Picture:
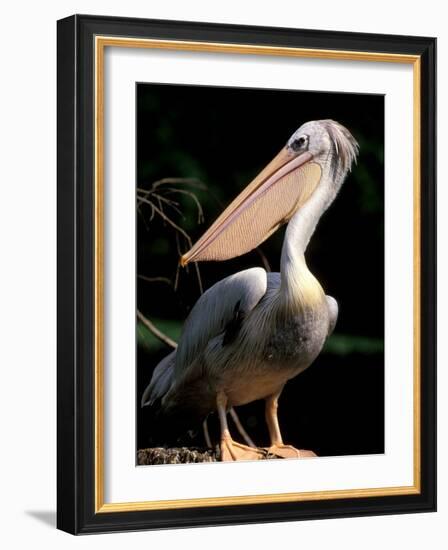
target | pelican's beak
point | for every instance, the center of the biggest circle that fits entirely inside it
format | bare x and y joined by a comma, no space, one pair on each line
261,208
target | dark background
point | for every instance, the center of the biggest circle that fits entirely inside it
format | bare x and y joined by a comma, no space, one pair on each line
222,137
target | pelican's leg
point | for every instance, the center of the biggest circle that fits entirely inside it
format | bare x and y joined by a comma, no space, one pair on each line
278,448
240,428
231,450
208,441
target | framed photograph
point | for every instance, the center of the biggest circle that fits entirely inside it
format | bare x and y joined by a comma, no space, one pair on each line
246,274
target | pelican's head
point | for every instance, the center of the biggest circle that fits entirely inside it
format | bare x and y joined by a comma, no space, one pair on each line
318,153
329,143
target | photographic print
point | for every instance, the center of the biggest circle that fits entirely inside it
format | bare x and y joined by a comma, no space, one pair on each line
246,274
260,274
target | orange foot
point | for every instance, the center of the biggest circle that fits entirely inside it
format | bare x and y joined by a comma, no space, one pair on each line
288,451
231,451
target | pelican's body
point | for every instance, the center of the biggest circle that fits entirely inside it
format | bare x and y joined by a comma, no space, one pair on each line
255,353
253,331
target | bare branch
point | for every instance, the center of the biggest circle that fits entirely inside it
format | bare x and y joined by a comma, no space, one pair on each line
160,211
168,220
193,197
264,259
179,253
240,428
194,182
198,275
143,217
176,278
155,200
157,333
144,199
155,279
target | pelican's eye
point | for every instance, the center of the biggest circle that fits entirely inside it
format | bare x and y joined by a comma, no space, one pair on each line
299,143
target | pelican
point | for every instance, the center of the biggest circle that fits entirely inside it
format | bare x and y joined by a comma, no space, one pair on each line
251,332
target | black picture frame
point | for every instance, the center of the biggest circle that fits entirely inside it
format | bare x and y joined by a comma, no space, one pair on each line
76,510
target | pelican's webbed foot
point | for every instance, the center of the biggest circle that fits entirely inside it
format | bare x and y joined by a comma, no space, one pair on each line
288,451
232,451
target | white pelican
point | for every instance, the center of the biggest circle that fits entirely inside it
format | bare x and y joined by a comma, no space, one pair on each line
250,333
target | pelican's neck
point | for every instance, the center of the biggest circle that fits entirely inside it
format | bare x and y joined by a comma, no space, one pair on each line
298,284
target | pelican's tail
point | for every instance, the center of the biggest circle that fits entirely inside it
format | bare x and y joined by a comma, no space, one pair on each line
160,382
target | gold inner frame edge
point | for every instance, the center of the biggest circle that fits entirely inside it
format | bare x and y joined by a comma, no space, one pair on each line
101,42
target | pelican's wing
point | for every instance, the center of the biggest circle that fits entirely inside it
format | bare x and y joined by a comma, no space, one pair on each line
161,380
219,307
333,310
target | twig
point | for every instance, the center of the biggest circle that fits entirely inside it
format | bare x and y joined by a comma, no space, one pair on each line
155,279
176,278
240,428
157,333
198,275
172,181
174,205
143,217
183,181
160,211
142,196
193,197
264,260
168,220
208,441
155,200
